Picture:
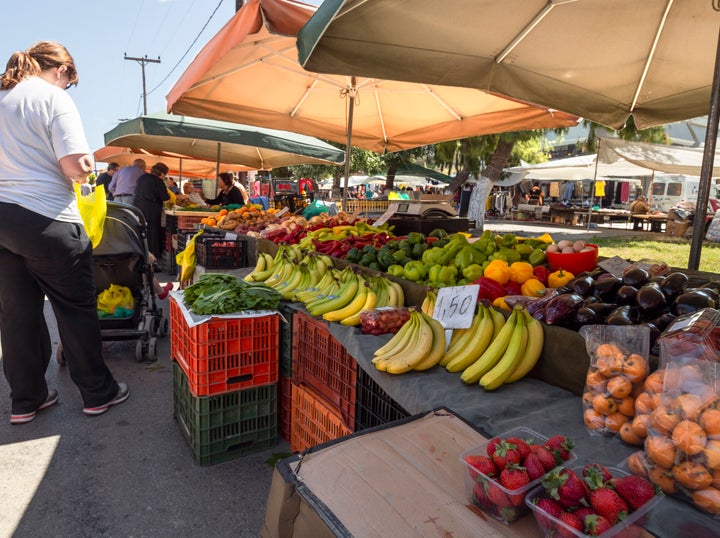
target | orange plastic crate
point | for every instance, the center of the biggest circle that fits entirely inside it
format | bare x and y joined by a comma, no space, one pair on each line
322,363
187,222
285,407
225,354
313,421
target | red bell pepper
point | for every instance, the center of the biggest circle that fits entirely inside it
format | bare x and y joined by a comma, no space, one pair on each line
512,288
489,289
541,273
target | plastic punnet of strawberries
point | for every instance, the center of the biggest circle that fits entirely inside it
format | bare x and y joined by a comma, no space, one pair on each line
502,471
592,500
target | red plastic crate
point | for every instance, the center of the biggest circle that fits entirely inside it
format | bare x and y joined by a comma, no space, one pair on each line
313,421
225,354
322,363
187,222
285,407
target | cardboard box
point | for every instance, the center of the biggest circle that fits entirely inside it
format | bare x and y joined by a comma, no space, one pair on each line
676,228
404,479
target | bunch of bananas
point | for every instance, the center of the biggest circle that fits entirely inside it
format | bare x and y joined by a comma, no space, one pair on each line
428,304
418,345
336,295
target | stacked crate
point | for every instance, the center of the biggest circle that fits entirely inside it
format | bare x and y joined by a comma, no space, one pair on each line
323,385
374,406
226,382
285,383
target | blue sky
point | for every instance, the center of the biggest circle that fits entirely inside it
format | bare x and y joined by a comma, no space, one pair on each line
99,32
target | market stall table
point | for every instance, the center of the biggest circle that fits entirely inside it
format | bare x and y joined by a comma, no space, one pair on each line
653,222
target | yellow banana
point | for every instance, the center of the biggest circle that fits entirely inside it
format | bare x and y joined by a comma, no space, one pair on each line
267,272
482,336
492,354
399,341
344,296
533,349
400,294
352,308
370,302
324,287
428,304
510,359
282,271
438,345
259,267
460,345
498,320
406,361
382,292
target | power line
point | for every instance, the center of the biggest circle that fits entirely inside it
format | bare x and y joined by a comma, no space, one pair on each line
188,49
142,62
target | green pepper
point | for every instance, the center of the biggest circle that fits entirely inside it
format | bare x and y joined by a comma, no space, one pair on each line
508,240
419,249
524,249
538,257
434,273
511,255
431,255
415,238
472,272
395,270
414,270
438,232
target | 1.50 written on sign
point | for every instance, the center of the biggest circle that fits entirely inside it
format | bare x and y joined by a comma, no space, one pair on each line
455,306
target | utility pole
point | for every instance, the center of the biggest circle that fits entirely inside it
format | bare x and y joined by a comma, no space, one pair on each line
142,62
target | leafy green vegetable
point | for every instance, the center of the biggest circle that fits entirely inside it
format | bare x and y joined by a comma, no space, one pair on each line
217,293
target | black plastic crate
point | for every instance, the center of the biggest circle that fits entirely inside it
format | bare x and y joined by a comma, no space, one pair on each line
214,252
373,406
167,262
292,201
286,336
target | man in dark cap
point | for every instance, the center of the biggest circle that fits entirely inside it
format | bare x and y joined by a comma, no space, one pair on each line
105,178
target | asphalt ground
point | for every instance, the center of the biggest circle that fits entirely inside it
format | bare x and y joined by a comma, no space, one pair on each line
126,473
130,472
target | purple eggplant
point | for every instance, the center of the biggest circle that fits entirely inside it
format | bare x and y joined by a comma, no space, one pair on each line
623,315
562,309
674,284
650,298
605,288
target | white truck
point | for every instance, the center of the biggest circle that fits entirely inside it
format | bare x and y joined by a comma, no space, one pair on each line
668,190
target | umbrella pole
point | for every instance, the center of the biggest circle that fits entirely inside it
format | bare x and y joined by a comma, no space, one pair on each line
593,186
706,168
217,169
348,147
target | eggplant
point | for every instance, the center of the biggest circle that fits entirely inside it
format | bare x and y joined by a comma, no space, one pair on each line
636,277
663,321
623,315
603,309
626,295
591,300
674,284
605,288
650,297
582,285
692,301
654,332
562,309
711,292
588,316
536,308
657,279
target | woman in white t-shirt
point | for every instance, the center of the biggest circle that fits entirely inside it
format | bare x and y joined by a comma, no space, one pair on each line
44,250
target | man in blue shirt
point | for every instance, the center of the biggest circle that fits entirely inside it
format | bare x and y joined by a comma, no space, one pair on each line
123,182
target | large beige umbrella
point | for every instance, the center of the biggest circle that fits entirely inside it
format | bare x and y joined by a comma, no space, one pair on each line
249,73
600,59
179,165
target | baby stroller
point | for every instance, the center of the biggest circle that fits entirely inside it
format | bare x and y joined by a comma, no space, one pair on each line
122,258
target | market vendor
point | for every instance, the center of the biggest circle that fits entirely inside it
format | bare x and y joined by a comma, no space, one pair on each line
190,195
638,207
229,193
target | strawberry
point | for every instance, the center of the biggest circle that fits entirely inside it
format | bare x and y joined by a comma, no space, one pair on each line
514,477
492,443
584,511
533,466
479,494
607,503
565,486
605,475
547,459
504,454
552,508
572,521
560,446
521,446
497,496
635,490
482,464
595,525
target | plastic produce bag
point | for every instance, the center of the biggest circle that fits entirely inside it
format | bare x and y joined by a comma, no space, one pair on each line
116,301
314,209
187,259
618,369
93,208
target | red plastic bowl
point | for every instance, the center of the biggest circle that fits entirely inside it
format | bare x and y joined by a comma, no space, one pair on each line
576,263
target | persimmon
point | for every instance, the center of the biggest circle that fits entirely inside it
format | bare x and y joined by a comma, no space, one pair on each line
709,420
614,421
619,387
690,405
640,425
211,221
628,435
587,398
655,399
626,406
596,381
644,404
603,405
692,475
716,478
635,368
661,450
609,359
223,212
664,419
663,479
637,390
707,499
671,379
638,463
689,437
593,420
654,382
711,453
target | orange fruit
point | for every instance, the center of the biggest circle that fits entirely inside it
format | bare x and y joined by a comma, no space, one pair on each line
626,406
640,424
707,499
614,421
223,212
596,381
690,405
664,419
638,463
692,475
635,368
619,387
712,454
689,437
628,435
587,398
663,479
654,382
716,478
609,359
661,450
603,405
644,404
593,420
709,420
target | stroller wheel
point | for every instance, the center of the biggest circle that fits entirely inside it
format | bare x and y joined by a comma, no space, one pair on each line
140,351
164,327
152,350
59,357
154,325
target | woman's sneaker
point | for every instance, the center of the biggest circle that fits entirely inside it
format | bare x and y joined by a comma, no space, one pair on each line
123,394
52,399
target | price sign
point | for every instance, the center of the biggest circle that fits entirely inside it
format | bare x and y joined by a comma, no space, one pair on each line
352,218
230,236
382,219
282,211
455,306
615,265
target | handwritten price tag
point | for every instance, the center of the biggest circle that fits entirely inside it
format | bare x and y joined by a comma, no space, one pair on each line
382,219
230,236
455,306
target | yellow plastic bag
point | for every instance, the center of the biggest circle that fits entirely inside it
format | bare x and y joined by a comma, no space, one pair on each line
93,208
115,297
187,259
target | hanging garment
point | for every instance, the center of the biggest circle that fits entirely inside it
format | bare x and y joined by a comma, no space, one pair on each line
599,188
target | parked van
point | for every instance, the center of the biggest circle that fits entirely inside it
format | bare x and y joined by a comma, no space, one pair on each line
668,190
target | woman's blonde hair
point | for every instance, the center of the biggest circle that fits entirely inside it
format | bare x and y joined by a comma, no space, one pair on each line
40,57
